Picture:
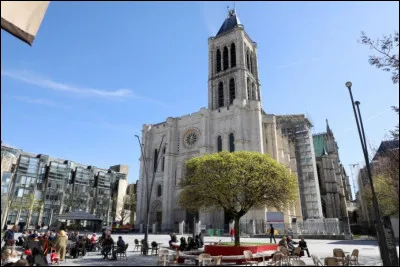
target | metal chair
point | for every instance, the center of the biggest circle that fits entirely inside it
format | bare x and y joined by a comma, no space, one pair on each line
138,246
354,258
316,260
163,257
331,261
276,259
248,256
298,263
122,252
205,258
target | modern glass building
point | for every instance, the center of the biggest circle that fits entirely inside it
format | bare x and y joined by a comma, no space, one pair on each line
35,189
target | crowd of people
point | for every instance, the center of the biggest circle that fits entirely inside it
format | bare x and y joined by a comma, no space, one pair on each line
186,244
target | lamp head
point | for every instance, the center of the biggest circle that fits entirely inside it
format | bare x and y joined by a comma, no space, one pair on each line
357,103
137,135
348,85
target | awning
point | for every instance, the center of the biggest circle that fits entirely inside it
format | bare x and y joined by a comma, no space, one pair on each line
23,18
78,215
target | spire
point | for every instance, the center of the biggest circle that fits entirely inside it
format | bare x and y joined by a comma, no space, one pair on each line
230,22
328,129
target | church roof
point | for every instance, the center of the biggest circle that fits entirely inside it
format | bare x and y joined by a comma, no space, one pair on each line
230,22
320,145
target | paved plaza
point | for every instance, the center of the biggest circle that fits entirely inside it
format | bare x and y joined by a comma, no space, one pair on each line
369,251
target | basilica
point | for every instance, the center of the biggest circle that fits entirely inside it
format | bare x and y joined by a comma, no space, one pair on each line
233,121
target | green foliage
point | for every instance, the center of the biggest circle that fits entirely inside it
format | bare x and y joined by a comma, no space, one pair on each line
386,195
237,182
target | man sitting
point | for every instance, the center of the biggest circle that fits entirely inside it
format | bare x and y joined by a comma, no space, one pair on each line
173,239
107,246
120,247
303,246
290,244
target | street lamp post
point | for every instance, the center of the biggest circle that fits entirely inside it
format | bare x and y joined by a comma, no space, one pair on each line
388,257
149,190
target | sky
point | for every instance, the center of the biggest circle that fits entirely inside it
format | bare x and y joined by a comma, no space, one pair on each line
98,71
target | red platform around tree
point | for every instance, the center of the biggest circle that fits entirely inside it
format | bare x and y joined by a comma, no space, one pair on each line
217,250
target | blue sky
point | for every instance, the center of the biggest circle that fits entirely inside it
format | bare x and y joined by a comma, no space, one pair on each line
98,71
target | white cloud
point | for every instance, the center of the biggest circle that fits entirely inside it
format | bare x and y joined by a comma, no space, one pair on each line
39,101
34,79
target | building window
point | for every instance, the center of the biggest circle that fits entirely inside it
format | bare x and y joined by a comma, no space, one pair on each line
163,160
155,160
233,55
248,59
220,95
248,89
218,60
251,63
159,191
226,58
255,96
231,90
219,143
231,142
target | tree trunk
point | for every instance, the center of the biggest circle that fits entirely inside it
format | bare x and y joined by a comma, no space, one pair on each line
237,229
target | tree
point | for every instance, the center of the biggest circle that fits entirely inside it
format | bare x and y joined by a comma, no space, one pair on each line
28,203
387,60
123,209
386,194
237,182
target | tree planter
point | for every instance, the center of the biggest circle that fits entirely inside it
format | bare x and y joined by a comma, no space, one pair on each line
217,250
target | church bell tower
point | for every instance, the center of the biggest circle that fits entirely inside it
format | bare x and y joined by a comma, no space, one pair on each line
233,68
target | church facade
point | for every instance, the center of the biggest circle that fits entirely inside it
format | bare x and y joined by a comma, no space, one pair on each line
233,121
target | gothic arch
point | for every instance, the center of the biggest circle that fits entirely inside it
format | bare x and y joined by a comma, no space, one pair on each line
219,143
247,59
225,58
233,55
251,63
254,91
218,60
248,89
231,142
155,211
232,90
220,95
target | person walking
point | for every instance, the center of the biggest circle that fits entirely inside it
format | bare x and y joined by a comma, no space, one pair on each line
61,244
232,234
271,233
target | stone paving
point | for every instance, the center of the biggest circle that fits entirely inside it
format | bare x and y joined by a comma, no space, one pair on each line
369,251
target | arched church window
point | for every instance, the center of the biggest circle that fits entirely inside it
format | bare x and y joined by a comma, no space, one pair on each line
226,58
255,96
248,59
248,89
163,160
232,93
233,55
231,142
155,160
251,63
218,60
219,143
159,190
220,95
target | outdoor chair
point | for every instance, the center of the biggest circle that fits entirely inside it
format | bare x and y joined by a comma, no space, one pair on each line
354,258
138,246
346,261
205,258
285,254
330,261
316,260
122,252
218,260
296,254
248,256
338,253
154,248
276,259
298,263
163,257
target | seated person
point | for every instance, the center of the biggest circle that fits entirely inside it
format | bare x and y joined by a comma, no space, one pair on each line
107,246
290,244
191,244
93,241
198,242
303,246
173,239
120,247
283,243
54,256
183,244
